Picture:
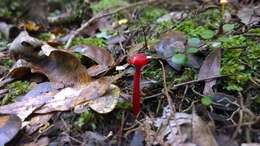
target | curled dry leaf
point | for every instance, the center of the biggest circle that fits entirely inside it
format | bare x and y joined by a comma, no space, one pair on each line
9,127
209,68
63,67
58,66
101,56
19,69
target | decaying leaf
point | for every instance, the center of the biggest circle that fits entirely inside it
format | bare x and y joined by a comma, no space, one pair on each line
9,127
44,141
58,66
249,15
107,102
179,129
25,108
63,67
66,99
100,55
19,69
36,122
209,68
201,133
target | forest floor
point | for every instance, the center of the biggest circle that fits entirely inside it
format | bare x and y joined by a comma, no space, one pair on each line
66,77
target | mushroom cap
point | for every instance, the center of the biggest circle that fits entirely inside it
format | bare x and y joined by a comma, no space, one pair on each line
138,59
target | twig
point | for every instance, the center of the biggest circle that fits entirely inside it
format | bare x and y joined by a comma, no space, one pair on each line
195,81
98,16
169,99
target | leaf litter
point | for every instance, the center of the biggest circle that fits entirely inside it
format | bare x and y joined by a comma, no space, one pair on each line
184,39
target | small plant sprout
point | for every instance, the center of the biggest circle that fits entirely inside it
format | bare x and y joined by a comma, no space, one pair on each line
138,60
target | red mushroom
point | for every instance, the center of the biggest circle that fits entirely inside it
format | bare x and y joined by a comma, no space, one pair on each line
138,60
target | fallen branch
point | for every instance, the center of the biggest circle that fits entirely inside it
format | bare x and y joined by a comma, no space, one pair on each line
98,16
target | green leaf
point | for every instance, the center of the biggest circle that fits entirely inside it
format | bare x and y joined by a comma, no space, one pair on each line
207,34
194,42
228,27
206,100
192,50
179,59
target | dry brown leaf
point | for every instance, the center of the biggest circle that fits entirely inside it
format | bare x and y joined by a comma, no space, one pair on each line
9,127
101,56
106,103
62,67
58,66
44,141
201,133
209,68
249,15
19,69
36,122
25,108
66,99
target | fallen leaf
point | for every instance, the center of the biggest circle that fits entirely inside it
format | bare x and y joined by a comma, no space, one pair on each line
210,67
19,69
106,103
67,99
201,133
36,122
225,140
249,15
59,66
44,141
100,55
250,144
9,127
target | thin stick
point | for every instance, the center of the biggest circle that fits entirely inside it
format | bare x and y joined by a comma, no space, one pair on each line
195,81
98,16
169,99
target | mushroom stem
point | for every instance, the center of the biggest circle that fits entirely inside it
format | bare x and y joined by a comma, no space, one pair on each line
136,96
138,60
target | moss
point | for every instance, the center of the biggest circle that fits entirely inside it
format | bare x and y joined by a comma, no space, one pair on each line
187,75
150,14
164,26
98,42
44,36
241,63
15,89
7,62
10,8
107,4
147,16
84,118
152,71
